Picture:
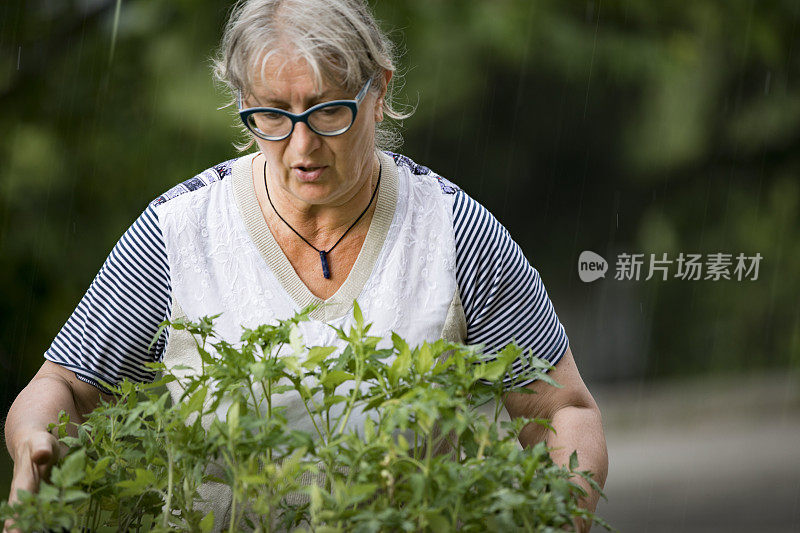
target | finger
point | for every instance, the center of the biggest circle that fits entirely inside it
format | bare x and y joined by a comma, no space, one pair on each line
32,465
25,478
44,449
28,484
8,527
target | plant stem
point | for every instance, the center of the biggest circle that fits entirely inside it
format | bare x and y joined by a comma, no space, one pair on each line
414,462
328,422
168,504
89,512
322,438
94,511
356,389
256,401
428,456
96,518
498,406
231,528
269,413
350,404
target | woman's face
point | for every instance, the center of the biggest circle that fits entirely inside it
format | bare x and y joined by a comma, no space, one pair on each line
312,169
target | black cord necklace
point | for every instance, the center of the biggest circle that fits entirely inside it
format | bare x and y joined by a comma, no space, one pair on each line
323,254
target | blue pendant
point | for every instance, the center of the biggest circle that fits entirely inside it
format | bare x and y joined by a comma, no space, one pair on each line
326,271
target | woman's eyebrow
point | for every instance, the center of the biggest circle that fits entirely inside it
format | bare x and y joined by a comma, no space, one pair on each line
272,101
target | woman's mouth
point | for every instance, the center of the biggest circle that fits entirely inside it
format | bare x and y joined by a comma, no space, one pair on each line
307,173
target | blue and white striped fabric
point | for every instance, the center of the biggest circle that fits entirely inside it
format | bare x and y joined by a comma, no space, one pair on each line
107,336
503,296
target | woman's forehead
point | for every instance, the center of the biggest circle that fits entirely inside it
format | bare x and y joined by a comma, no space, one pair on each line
279,76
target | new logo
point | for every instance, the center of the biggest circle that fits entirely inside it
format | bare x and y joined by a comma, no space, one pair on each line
591,266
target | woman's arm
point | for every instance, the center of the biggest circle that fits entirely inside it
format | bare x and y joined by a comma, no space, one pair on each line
504,300
576,420
32,448
132,288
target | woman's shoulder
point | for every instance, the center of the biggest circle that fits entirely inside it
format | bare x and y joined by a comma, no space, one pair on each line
209,176
421,172
467,211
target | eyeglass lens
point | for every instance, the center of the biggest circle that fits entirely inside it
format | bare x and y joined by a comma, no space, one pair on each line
326,121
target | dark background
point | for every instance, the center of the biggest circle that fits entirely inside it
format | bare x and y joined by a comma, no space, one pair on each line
628,126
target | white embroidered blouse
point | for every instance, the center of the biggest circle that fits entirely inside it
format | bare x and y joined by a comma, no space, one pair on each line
434,264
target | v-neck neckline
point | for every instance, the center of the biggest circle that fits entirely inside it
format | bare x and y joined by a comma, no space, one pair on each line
339,303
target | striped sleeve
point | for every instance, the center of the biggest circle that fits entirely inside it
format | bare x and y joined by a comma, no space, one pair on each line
107,337
503,296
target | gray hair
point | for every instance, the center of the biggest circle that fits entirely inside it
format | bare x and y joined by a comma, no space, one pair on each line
339,39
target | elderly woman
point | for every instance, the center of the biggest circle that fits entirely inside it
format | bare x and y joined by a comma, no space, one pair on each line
316,215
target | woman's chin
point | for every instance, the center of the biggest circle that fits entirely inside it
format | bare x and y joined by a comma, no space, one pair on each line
312,193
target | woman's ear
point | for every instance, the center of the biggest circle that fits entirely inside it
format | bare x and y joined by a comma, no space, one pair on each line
379,103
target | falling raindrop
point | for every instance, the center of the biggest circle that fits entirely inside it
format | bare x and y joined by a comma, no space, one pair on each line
114,29
591,62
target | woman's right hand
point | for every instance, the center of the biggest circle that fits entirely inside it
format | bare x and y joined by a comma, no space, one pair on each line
35,450
35,455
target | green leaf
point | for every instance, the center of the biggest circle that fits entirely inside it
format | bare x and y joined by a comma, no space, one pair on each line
195,403
573,461
316,355
280,389
550,381
399,343
47,492
418,484
545,422
155,366
437,522
359,492
330,400
143,481
402,363
491,371
402,443
71,442
207,523
63,422
369,430
161,328
442,365
494,369
358,316
509,354
232,419
98,471
73,495
205,356
334,378
424,359
538,362
296,340
71,470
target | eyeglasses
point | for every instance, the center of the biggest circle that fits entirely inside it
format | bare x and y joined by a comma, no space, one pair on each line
328,118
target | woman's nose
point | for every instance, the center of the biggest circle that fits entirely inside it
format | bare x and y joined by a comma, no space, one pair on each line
303,140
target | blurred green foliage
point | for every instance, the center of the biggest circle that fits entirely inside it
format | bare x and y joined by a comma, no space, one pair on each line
612,126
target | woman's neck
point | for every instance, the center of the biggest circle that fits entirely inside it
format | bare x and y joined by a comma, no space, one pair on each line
320,224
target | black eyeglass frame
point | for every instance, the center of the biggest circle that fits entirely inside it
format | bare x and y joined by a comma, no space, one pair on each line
245,114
